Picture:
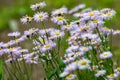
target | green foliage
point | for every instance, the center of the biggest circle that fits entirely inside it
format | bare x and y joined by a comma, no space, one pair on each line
1,70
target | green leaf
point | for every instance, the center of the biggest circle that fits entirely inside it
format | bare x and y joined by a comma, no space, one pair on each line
1,71
52,73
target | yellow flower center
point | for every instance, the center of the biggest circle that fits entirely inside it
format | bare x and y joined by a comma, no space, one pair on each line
67,26
111,75
105,54
57,33
40,15
47,46
99,72
95,21
59,18
91,14
106,28
11,48
108,14
69,76
83,63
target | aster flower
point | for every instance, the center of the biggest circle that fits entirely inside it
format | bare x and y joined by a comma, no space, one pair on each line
40,16
112,76
56,34
83,64
26,19
100,73
75,9
30,32
14,34
106,55
60,11
59,20
38,5
71,77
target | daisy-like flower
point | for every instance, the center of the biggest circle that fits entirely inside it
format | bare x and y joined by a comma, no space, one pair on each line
38,5
40,16
32,60
112,76
14,34
63,74
60,11
116,32
106,55
72,48
84,49
56,34
59,20
71,67
108,13
100,73
83,64
71,77
26,19
66,27
30,32
77,15
48,46
75,9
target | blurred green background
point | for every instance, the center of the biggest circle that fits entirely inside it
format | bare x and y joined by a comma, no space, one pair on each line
12,10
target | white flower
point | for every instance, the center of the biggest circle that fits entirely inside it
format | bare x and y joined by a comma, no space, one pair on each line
105,55
56,34
14,34
100,73
71,77
40,16
65,73
112,76
38,5
59,20
75,9
26,19
71,67
60,11
83,64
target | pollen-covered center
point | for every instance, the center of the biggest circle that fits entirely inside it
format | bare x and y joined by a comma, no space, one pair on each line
59,18
40,16
47,46
83,63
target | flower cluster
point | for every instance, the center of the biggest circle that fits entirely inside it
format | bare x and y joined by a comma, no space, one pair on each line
73,50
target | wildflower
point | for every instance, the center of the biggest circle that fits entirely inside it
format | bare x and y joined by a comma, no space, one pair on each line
71,77
38,5
30,32
40,16
105,55
59,20
48,46
32,60
72,48
56,34
66,27
75,9
60,11
77,15
100,73
26,19
84,49
112,76
14,34
83,64
63,74
71,67
116,32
